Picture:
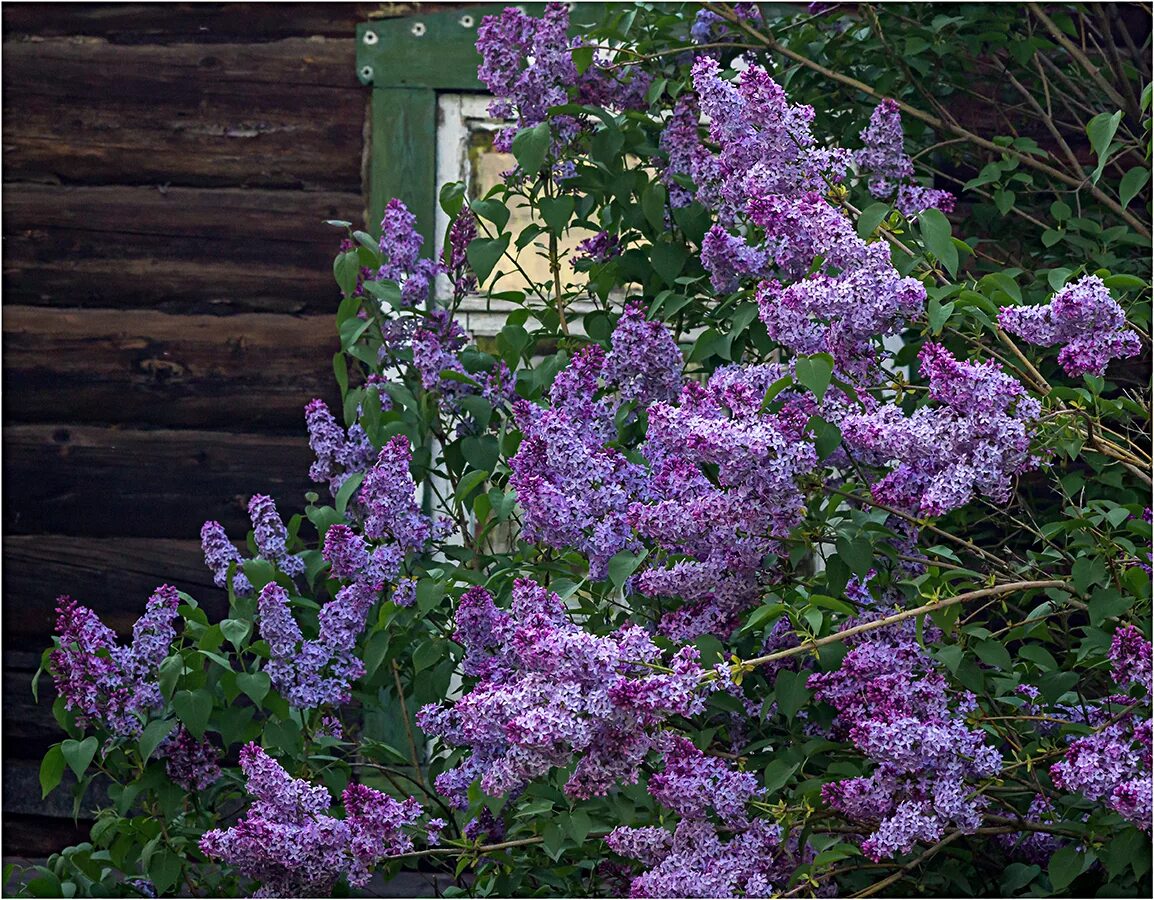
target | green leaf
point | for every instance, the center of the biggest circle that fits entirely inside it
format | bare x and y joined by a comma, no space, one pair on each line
827,436
1132,182
483,254
78,754
994,654
936,236
939,314
164,870
481,451
653,205
1017,876
858,554
152,736
668,260
468,484
623,564
492,210
255,684
426,655
1004,201
235,631
1101,130
790,692
556,211
346,269
193,709
777,773
815,373
871,217
530,147
51,770
1124,282
345,494
1065,866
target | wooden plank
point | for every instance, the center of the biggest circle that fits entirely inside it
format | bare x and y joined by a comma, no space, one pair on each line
113,576
202,22
236,373
186,250
286,114
404,127
77,480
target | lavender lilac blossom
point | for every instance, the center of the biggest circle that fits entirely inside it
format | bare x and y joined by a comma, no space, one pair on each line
548,693
896,708
270,535
193,764
289,843
1113,765
1084,319
106,683
719,529
339,453
401,247
219,554
975,441
890,169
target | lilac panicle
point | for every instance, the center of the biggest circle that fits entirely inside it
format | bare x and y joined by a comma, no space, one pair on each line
218,554
190,763
550,693
313,673
288,842
890,170
401,246
108,684
1084,319
270,535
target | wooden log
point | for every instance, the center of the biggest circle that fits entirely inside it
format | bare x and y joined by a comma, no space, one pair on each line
202,22
78,480
113,576
243,372
285,114
180,250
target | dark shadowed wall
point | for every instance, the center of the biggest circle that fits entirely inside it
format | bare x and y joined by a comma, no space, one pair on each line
167,306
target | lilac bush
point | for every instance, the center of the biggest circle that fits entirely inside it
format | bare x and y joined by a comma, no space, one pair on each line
809,557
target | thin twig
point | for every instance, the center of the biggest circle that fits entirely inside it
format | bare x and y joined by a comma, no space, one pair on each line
838,636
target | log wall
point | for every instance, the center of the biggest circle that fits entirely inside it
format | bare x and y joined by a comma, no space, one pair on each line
167,306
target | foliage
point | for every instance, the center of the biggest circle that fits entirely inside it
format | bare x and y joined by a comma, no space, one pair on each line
785,539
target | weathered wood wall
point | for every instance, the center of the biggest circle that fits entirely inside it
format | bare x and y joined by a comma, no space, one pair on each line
167,303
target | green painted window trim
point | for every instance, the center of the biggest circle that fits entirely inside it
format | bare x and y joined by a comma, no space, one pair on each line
408,61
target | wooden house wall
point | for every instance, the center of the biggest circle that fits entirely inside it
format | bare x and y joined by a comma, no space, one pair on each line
167,305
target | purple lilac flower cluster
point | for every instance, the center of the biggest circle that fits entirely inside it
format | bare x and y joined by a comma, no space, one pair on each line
940,457
1113,765
719,528
192,764
771,169
270,535
290,844
897,710
600,248
339,453
1084,319
219,554
312,673
890,170
687,156
527,64
461,234
401,247
549,692
575,490
107,683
